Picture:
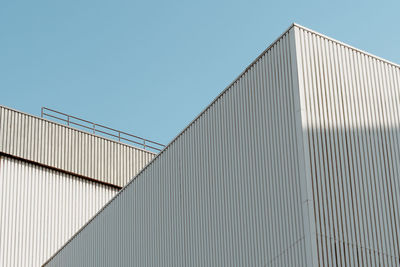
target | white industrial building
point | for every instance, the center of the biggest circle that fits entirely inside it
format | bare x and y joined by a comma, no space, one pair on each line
295,163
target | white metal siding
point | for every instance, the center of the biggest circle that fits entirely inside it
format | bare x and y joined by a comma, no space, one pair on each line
352,117
40,209
225,192
52,144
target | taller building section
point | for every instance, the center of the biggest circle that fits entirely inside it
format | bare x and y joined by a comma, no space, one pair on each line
296,163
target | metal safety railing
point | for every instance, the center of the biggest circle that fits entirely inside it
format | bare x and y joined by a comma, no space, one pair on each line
97,129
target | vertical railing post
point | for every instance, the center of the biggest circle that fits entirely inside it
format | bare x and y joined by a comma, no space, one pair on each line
144,144
94,128
68,120
41,114
119,136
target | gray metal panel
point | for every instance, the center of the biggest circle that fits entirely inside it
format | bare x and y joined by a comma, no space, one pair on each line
55,145
40,209
225,192
352,117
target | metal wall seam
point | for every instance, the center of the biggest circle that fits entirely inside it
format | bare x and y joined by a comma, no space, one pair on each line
59,146
41,208
351,109
224,192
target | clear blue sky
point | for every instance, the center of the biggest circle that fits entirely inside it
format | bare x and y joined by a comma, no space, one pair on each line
149,67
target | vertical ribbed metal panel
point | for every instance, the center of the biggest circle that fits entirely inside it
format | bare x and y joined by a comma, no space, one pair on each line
352,116
40,209
52,144
225,192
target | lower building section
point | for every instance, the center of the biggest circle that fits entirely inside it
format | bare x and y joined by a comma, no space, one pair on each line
40,209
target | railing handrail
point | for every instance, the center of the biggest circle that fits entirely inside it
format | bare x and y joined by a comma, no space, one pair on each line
145,143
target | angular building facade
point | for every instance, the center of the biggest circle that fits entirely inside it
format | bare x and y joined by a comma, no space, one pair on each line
295,163
53,179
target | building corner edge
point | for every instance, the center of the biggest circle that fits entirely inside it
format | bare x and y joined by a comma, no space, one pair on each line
303,151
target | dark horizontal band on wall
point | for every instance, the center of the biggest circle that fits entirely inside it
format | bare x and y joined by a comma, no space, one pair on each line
61,170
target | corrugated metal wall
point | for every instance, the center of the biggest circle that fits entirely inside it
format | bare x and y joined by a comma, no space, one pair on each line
40,209
350,103
225,192
52,144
